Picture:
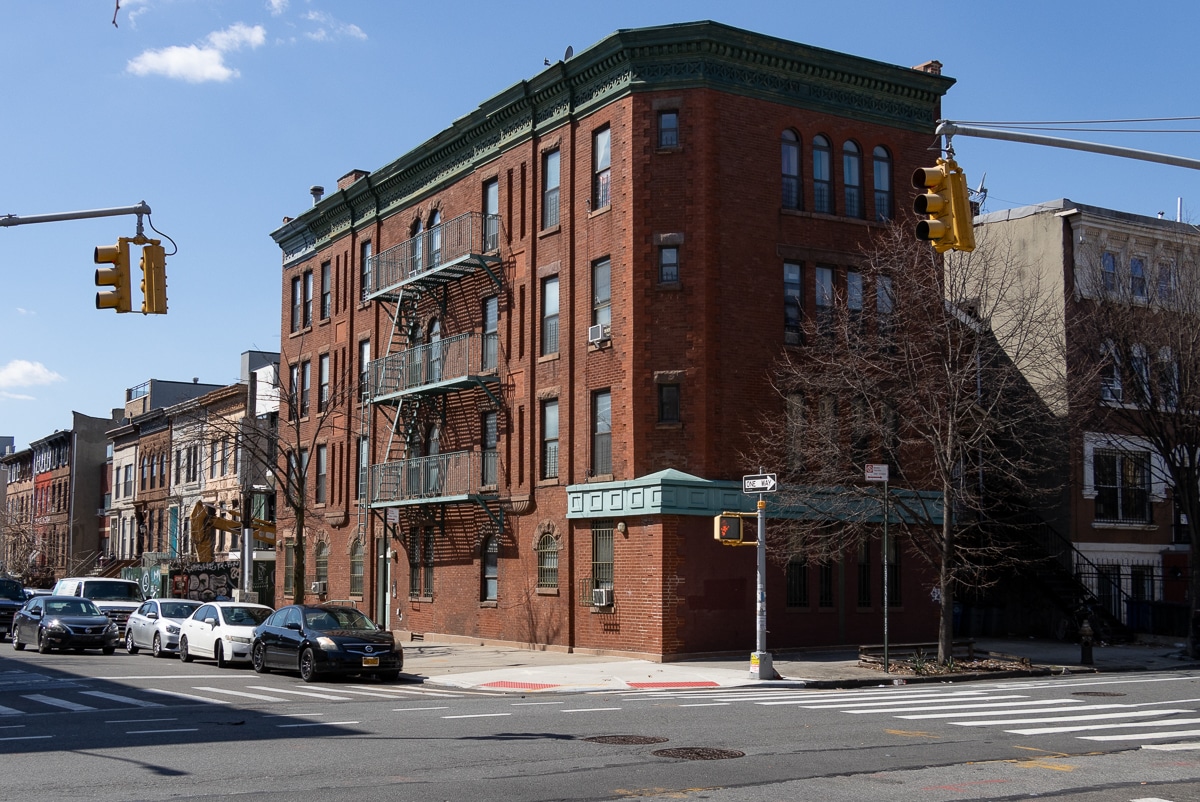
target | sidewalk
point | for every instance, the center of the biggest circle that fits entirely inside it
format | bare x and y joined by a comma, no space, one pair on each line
506,668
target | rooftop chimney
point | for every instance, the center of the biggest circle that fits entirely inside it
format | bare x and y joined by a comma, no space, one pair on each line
317,192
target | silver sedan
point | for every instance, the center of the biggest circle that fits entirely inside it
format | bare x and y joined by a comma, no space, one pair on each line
155,626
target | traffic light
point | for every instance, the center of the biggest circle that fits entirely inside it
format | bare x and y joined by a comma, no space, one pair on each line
946,205
727,528
154,279
116,276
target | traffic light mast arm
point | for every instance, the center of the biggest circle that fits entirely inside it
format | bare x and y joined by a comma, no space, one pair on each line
948,129
140,209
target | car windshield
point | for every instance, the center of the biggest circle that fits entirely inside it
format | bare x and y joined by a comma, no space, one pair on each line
11,590
113,591
337,618
246,616
177,609
71,607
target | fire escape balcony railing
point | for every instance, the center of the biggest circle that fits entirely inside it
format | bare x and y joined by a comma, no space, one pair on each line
448,364
446,252
456,476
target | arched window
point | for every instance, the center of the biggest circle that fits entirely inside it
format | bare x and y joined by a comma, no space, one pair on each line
822,176
322,562
547,557
852,178
883,183
435,351
490,568
435,239
790,146
356,568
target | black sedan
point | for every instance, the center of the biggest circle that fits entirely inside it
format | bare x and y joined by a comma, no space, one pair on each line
325,639
63,622
12,597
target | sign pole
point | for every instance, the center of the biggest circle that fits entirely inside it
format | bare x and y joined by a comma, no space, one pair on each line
879,473
761,666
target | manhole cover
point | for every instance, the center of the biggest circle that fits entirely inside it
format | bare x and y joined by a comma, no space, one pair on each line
1096,693
698,753
626,740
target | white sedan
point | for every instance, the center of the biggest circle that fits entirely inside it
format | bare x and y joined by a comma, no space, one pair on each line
155,625
221,631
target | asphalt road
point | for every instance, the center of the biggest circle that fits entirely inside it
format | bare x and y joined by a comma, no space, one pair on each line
131,727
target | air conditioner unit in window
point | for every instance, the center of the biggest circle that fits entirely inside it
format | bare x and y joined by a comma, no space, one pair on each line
598,334
320,588
602,597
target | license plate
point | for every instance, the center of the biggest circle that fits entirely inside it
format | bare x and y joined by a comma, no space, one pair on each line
370,661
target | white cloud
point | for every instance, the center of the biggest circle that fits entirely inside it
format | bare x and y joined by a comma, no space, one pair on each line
25,312
16,396
23,373
196,64
277,7
329,28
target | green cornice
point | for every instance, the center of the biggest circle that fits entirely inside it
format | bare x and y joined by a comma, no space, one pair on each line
694,55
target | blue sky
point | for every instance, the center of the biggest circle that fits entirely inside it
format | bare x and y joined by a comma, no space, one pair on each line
220,114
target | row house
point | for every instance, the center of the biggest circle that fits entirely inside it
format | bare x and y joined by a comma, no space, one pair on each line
521,360
1119,529
17,550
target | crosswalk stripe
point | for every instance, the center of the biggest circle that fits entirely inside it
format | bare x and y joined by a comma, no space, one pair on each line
192,696
240,693
9,711
1093,727
1189,746
1096,717
117,698
943,701
1073,709
312,694
55,702
865,700
1141,735
974,705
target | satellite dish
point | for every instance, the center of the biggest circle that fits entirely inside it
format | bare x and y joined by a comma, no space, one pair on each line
570,52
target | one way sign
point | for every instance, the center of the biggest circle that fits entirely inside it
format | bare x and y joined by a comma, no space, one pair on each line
759,483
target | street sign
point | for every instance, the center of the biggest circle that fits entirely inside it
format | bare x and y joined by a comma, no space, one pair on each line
759,483
877,473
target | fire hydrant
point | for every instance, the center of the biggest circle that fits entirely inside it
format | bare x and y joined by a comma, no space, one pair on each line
1085,643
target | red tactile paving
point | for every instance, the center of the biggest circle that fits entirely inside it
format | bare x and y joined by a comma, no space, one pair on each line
529,686
673,685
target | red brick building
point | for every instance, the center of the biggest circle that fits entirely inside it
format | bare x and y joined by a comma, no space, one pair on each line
522,359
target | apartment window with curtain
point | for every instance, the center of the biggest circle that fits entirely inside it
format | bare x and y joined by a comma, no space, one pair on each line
490,565
293,392
601,168
792,190
882,162
550,439
322,382
491,212
602,433
297,304
356,568
364,270
1137,278
326,290
491,332
668,264
308,299
364,368
852,178
1108,268
364,466
822,175
668,129
550,316
319,488
491,443
305,386
550,186
602,294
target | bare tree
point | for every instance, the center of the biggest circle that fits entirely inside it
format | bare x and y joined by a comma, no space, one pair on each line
948,370
18,543
1138,321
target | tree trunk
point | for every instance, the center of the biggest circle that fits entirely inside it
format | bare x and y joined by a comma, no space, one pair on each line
945,574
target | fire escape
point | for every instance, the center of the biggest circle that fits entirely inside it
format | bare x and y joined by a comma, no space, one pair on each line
413,382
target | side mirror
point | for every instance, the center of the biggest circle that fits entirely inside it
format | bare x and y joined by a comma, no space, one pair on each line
212,622
152,616
292,625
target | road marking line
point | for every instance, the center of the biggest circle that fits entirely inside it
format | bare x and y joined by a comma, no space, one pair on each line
117,698
1027,703
192,696
1009,722
313,694
707,704
157,732
481,715
367,693
1090,727
1172,747
1132,736
26,738
9,711
63,703
588,709
241,693
137,720
315,724
530,704
1010,712
406,709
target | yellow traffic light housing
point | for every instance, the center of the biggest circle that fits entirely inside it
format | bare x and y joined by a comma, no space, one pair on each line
154,279
946,204
729,528
116,276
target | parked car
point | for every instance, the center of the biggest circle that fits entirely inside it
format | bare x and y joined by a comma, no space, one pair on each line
221,631
12,598
64,622
116,597
155,625
320,639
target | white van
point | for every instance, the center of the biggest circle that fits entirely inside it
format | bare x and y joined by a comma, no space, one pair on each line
116,598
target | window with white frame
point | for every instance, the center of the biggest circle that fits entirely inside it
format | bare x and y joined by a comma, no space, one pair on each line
602,294
668,129
1122,485
550,438
602,168
550,187
550,316
364,270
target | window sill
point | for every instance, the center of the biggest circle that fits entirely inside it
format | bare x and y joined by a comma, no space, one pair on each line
1140,526
669,425
662,151
601,477
547,591
600,211
548,358
552,482
489,604
670,286
546,232
300,332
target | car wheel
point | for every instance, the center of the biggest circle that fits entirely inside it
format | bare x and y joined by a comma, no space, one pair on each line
106,649
20,647
156,648
184,654
219,655
130,646
388,676
43,644
258,659
308,666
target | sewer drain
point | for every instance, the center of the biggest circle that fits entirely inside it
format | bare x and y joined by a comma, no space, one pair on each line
1096,693
698,753
626,740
